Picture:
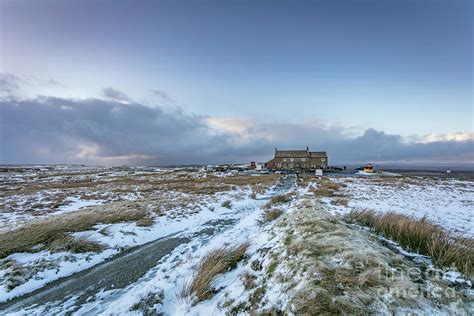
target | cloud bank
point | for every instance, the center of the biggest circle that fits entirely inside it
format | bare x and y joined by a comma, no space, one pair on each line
117,130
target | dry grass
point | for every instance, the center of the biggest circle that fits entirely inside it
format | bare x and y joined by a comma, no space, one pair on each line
323,302
248,280
212,184
77,245
250,180
145,222
16,274
279,199
259,188
217,261
446,248
272,267
257,296
204,189
304,179
35,187
270,215
328,189
347,271
227,204
150,182
340,201
51,230
333,289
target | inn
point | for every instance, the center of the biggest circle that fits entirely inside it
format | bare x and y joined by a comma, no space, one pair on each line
298,160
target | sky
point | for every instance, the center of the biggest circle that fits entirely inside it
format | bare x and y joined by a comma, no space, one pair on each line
182,82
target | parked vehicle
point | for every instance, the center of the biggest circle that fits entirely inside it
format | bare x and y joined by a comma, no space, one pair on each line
368,168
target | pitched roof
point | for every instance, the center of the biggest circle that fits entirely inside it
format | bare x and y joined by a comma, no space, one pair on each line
321,154
299,154
291,154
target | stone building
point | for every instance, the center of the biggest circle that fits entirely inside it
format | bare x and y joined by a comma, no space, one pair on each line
298,160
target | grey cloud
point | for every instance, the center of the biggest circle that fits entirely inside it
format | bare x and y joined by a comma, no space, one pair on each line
371,146
115,95
9,84
161,94
48,129
52,83
58,130
376,145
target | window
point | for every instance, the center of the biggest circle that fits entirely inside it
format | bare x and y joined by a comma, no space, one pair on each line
303,159
292,159
303,165
284,159
323,159
291,165
279,165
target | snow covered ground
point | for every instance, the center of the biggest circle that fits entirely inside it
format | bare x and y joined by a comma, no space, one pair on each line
115,237
75,203
191,205
447,202
178,212
174,269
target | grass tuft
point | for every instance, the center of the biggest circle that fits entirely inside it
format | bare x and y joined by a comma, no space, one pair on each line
327,189
227,204
279,199
248,280
215,262
270,215
446,248
145,222
76,245
340,201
